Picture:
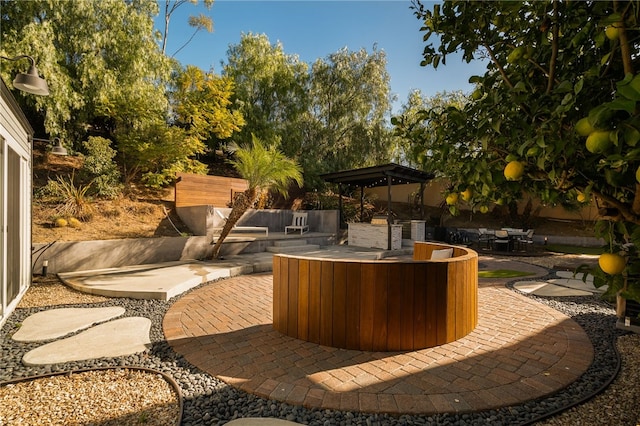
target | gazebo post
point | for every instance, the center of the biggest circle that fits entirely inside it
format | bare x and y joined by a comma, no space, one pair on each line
389,218
340,204
361,203
422,188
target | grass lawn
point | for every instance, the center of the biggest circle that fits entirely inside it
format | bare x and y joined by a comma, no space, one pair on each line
503,273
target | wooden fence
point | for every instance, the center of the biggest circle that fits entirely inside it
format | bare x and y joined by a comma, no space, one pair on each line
204,190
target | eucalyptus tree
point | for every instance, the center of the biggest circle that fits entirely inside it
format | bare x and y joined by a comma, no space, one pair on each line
350,110
270,91
198,23
417,144
555,114
100,58
265,168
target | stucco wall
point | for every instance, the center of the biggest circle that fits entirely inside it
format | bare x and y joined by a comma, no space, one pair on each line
433,196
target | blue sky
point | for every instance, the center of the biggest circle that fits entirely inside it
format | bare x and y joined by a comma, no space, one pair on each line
315,29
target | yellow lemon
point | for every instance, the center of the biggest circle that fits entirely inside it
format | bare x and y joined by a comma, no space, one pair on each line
638,174
612,263
583,127
581,197
61,222
612,31
514,170
467,194
452,198
484,209
598,141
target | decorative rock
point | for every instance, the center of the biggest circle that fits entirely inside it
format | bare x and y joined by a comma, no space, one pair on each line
56,323
120,337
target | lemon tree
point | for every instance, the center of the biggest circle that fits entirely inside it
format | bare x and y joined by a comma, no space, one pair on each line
561,97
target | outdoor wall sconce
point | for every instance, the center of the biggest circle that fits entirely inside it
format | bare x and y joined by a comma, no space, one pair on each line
59,149
31,82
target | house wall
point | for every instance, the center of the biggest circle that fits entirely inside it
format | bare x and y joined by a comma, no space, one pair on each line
433,197
15,198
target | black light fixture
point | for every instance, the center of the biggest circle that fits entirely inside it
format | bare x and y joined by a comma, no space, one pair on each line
59,149
31,82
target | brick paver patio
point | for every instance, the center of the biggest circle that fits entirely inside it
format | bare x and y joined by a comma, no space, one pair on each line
521,350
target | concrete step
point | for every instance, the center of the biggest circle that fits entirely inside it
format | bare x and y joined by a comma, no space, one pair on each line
289,243
293,249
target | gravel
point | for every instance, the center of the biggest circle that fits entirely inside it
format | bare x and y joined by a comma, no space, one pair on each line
209,401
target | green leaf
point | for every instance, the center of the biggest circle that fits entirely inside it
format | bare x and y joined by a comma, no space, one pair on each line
631,135
627,105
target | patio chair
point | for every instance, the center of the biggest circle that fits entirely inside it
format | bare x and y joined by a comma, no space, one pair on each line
527,240
486,236
501,240
299,223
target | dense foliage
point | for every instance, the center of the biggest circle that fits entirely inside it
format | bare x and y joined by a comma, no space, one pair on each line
555,114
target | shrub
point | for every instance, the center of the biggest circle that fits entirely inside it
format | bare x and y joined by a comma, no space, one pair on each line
72,200
100,168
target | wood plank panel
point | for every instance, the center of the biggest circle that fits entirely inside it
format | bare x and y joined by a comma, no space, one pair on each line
339,303
441,298
455,274
284,296
326,303
411,279
292,301
278,313
431,284
303,299
380,311
352,338
421,304
367,301
314,301
395,305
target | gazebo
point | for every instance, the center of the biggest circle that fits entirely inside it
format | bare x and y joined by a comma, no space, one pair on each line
387,174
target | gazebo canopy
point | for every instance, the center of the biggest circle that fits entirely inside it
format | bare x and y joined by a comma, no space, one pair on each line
378,176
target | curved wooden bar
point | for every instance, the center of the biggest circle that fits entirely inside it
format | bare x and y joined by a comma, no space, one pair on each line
377,305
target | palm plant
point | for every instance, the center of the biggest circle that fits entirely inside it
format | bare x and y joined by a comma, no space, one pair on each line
265,168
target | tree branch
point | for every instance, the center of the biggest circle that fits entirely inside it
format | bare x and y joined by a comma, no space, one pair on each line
554,48
625,212
497,64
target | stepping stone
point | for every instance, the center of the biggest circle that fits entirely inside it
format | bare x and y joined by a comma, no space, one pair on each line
115,338
577,284
546,289
47,325
578,276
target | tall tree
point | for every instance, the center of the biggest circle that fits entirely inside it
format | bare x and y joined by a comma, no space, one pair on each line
265,168
198,23
270,91
350,107
100,58
556,113
418,145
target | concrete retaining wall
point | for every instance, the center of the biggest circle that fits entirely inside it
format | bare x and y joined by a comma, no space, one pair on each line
102,254
201,219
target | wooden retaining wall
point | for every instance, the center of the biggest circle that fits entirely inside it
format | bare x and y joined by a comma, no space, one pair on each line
204,190
377,305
